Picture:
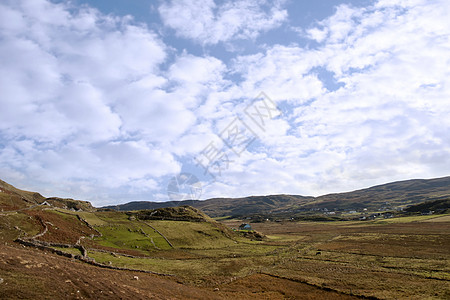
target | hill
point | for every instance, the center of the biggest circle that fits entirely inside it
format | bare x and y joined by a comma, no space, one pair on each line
179,213
68,203
401,193
218,207
14,198
389,196
442,206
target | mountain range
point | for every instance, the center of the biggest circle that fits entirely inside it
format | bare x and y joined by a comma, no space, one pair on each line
390,196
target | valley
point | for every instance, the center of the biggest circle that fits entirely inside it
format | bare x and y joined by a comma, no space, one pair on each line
50,251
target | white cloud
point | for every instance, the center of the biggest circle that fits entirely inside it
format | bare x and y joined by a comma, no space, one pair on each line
317,34
282,72
209,23
382,125
57,70
394,64
192,69
81,99
94,107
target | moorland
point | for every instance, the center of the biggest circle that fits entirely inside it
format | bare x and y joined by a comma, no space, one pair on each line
52,248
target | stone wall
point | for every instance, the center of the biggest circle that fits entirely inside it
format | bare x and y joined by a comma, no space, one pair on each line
84,258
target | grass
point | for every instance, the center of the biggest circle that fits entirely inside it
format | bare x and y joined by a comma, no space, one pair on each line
16,281
203,252
112,216
388,258
294,256
8,224
131,236
237,250
285,238
73,251
408,219
221,218
197,271
92,218
192,235
444,218
62,214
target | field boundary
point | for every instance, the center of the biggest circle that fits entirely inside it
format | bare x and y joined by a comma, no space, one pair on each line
86,259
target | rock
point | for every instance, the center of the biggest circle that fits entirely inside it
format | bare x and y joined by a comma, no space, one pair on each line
216,289
136,278
1,280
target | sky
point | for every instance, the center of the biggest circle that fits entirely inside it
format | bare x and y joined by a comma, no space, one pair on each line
115,101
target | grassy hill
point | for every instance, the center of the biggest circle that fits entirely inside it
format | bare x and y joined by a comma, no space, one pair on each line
401,193
394,195
13,198
144,232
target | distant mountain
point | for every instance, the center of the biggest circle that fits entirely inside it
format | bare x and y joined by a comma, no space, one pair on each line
391,196
387,196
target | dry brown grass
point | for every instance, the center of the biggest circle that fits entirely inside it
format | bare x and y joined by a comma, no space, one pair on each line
62,228
32,274
388,261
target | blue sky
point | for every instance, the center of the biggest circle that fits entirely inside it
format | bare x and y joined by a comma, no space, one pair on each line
108,101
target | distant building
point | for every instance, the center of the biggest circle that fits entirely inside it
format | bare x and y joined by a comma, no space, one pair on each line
427,213
388,215
245,226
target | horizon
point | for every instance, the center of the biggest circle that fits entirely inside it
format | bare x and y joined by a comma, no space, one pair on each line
113,101
248,196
